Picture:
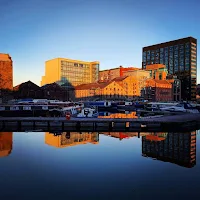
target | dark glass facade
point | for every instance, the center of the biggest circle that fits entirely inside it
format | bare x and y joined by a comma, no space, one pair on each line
180,59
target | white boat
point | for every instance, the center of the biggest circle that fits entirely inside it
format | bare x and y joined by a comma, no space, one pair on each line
88,112
181,107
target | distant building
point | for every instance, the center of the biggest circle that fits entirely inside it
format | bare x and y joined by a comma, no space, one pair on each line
55,91
70,73
178,148
27,90
130,86
110,74
6,72
180,58
157,71
108,90
68,139
176,88
157,90
140,77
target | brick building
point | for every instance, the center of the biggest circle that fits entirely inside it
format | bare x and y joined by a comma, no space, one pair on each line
110,74
6,72
108,90
157,90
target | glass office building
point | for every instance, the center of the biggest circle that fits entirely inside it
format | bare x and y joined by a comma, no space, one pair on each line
180,58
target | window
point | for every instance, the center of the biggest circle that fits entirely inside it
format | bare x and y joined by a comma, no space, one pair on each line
148,55
144,56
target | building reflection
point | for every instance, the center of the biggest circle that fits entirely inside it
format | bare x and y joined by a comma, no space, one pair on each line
124,135
124,114
6,143
178,148
67,139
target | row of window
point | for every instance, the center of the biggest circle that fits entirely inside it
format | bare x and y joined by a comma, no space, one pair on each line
66,63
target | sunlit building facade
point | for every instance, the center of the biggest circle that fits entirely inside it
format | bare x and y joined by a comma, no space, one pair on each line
110,74
157,71
6,72
157,90
140,77
107,90
69,73
180,58
178,148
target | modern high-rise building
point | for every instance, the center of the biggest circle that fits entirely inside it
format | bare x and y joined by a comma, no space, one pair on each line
70,73
180,58
6,72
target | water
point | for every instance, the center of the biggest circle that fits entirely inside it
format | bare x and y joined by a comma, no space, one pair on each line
99,166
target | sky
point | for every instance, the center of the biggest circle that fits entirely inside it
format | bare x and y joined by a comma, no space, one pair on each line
110,31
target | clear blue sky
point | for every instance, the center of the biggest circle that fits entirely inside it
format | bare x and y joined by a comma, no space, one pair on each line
110,31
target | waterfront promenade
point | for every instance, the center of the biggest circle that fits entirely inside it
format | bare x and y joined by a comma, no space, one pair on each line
184,122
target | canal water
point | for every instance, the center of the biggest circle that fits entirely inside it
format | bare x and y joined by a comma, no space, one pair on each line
72,165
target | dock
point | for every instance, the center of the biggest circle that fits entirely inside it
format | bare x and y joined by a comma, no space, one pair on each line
176,123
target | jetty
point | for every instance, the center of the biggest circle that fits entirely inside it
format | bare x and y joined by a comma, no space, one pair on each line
176,123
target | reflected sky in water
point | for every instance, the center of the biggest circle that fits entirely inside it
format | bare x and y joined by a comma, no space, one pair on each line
99,165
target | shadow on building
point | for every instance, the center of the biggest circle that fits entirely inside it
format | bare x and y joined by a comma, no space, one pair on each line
178,148
67,139
49,91
27,90
6,143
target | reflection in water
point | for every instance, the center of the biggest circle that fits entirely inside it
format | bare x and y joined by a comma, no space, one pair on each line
122,135
6,140
125,114
66,139
178,148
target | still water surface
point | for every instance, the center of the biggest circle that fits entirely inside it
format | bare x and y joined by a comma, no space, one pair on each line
99,165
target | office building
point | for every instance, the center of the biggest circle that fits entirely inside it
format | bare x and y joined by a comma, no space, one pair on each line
180,58
69,73
6,72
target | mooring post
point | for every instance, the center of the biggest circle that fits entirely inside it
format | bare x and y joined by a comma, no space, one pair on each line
138,134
